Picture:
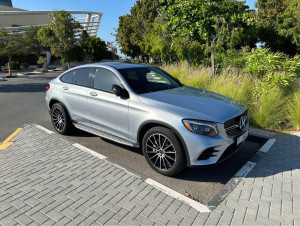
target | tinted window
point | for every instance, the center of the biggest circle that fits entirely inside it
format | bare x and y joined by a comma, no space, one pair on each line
148,79
64,77
105,79
81,77
70,77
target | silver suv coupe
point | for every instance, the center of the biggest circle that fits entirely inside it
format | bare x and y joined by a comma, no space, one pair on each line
143,106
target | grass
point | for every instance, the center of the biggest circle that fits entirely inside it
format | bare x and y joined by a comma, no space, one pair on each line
270,111
276,109
294,110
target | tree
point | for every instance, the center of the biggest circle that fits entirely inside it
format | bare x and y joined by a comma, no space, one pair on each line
60,36
32,42
134,27
94,48
214,25
289,23
123,37
275,21
10,45
112,51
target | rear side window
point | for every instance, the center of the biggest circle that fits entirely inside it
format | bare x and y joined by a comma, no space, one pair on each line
105,79
68,77
64,77
81,77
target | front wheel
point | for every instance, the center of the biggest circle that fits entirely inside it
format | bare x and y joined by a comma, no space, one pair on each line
163,151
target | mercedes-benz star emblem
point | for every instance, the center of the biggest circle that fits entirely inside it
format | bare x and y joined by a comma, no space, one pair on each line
242,123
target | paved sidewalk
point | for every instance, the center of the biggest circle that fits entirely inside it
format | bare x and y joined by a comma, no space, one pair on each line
46,180
270,194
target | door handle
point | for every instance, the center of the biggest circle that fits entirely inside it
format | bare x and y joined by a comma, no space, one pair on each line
93,93
65,87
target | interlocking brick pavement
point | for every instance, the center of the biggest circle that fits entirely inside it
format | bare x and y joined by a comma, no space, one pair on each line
270,193
45,180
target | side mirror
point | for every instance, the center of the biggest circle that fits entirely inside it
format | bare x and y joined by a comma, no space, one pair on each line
119,91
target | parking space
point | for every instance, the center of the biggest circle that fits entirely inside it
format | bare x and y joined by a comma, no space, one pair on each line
201,183
22,101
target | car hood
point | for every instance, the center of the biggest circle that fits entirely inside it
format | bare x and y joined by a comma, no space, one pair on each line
193,103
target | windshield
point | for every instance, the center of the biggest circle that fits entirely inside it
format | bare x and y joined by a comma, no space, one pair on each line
148,79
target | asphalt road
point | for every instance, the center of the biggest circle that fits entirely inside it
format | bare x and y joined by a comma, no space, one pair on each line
22,102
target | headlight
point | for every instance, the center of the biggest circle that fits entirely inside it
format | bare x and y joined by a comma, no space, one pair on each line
201,127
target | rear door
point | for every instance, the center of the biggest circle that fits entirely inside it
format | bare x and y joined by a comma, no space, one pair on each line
74,93
108,112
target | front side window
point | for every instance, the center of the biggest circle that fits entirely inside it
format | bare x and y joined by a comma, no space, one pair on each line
105,79
148,79
81,77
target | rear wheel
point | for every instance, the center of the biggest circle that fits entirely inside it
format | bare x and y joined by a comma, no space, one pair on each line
163,151
60,119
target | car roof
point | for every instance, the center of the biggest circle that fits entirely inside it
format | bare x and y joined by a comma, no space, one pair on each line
118,65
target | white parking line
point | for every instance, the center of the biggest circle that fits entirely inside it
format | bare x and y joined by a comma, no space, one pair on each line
242,173
267,146
197,205
97,155
44,129
85,149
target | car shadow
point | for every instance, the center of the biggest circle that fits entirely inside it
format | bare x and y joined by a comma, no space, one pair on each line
23,88
80,133
136,150
221,173
225,170
286,148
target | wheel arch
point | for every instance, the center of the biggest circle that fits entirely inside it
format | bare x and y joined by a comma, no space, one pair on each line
54,101
153,123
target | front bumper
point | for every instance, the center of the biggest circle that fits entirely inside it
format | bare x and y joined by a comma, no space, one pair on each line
205,150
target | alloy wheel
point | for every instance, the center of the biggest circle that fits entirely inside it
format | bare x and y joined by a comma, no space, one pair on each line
160,152
58,119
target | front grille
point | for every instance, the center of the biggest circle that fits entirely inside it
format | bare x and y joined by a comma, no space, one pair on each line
232,126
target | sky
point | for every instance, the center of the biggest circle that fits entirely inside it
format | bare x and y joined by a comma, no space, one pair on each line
111,9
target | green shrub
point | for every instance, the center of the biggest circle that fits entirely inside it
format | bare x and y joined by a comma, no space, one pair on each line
232,58
41,60
15,65
25,65
294,111
269,69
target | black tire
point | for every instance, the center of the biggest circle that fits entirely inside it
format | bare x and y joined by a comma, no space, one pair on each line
153,152
67,127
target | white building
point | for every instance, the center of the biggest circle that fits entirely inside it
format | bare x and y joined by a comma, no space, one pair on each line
16,21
